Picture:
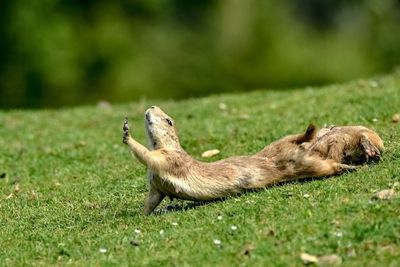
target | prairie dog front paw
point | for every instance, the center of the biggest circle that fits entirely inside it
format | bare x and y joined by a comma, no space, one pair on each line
125,131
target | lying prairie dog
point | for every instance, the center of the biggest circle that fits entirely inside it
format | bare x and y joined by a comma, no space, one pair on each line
174,173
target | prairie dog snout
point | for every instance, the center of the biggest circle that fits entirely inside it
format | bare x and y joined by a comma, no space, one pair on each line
161,130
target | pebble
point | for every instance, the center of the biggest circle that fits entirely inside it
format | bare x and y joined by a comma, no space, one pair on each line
217,242
308,258
338,234
385,194
330,260
396,118
373,84
210,153
222,106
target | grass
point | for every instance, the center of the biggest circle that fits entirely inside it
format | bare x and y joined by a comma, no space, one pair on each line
70,188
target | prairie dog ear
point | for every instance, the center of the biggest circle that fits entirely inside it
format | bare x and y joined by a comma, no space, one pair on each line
308,135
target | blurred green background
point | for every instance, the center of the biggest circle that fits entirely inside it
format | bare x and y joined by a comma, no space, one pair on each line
59,53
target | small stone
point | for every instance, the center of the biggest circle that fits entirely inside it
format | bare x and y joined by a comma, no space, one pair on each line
219,217
308,258
374,119
222,106
161,232
233,227
338,234
385,194
332,259
102,250
306,195
373,84
174,223
137,231
396,118
210,153
217,242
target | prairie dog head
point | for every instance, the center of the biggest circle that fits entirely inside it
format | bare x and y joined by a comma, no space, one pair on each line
360,143
374,138
161,130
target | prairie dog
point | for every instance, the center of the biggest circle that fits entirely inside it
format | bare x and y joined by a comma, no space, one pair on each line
172,172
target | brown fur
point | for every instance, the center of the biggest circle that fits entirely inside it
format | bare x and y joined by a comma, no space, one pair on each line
174,173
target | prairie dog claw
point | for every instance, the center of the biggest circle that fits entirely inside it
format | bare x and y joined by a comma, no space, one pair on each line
345,167
126,126
125,130
371,152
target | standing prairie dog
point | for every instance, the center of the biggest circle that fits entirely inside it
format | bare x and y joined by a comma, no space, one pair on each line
174,173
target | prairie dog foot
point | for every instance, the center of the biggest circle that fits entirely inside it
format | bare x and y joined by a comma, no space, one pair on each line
154,198
345,167
125,131
371,151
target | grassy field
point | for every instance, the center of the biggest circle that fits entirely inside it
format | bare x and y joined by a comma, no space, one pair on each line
71,193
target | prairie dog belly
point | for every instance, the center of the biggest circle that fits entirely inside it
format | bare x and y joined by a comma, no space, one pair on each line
207,181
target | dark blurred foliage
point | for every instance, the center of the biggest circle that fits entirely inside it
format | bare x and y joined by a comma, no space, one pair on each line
68,52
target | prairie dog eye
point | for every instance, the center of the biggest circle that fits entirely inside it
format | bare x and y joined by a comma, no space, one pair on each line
169,122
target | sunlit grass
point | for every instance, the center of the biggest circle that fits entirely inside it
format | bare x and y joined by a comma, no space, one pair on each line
71,193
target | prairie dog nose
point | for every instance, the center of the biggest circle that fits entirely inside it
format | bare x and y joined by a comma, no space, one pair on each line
151,109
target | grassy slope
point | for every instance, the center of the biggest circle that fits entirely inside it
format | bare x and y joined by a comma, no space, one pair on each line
80,189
